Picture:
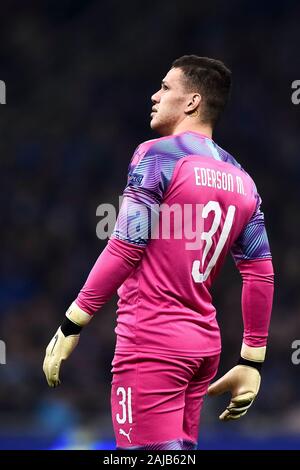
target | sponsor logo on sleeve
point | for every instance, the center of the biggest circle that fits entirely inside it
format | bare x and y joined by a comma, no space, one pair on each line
135,179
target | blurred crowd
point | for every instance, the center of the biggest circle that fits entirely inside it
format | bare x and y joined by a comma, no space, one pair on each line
79,77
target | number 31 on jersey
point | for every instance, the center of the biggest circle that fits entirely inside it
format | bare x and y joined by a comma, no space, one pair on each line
212,206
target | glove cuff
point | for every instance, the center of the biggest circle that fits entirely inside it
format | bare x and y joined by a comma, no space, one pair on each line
74,320
253,353
252,357
254,364
77,315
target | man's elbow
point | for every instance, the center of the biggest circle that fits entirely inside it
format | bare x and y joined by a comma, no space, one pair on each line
257,269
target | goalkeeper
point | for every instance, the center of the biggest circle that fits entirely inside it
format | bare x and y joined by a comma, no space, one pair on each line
168,340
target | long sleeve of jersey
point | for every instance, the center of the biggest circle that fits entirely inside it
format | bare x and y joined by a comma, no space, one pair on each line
257,298
111,269
253,258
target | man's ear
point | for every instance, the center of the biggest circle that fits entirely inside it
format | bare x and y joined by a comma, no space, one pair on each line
193,103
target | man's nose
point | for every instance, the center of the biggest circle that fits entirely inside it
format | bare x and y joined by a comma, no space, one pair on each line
155,97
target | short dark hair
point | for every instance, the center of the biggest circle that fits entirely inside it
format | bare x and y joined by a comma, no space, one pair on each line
209,77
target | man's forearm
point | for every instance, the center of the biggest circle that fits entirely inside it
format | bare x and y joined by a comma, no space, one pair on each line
111,269
257,299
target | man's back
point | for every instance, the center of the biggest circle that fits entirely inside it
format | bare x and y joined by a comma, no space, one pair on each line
206,202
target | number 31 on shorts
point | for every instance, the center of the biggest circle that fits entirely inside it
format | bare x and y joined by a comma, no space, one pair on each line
125,403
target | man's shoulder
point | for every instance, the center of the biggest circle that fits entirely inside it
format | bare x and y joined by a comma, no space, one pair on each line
165,147
161,144
227,157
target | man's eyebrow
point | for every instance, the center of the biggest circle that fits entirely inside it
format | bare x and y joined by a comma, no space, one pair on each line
163,82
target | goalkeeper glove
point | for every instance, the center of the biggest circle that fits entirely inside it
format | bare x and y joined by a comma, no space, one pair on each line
243,381
64,342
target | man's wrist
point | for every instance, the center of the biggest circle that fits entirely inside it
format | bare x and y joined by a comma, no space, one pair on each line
74,320
252,357
251,353
77,315
254,364
70,328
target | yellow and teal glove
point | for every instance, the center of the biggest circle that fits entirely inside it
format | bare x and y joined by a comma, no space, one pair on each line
64,342
243,381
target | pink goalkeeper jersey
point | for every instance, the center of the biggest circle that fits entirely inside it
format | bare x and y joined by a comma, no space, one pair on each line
187,203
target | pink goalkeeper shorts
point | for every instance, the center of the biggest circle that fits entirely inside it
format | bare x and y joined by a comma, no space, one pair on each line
156,399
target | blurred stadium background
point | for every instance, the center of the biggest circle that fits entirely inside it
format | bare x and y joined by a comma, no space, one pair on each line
79,76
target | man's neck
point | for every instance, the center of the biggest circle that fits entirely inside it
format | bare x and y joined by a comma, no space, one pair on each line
193,126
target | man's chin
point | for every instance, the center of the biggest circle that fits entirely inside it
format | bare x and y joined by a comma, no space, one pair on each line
155,126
